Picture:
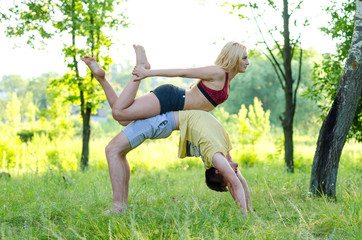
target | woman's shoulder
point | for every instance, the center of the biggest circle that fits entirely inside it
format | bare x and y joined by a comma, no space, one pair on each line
217,72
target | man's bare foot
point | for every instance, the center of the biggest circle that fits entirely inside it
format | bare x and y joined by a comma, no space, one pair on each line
113,211
116,209
97,71
141,59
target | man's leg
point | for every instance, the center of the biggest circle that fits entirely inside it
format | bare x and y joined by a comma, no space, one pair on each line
119,171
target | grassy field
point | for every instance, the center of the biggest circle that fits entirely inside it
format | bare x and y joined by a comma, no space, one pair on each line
169,199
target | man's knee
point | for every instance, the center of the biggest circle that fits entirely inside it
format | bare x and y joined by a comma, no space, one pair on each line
110,149
118,145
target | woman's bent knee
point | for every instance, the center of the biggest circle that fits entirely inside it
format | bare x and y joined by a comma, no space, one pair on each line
118,114
124,123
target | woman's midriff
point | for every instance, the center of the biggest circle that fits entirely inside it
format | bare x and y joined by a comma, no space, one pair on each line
195,100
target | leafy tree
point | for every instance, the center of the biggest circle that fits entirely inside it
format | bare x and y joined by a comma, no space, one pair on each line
83,22
327,75
337,123
86,19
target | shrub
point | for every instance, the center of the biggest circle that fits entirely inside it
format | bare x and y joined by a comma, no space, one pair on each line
254,124
27,135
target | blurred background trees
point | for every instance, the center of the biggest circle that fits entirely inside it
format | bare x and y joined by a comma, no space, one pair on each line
49,106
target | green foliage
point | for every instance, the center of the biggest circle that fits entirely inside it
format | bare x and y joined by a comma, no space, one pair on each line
249,129
10,148
87,21
29,18
12,111
236,8
27,135
254,124
38,87
24,119
56,119
28,109
229,121
260,81
340,27
328,73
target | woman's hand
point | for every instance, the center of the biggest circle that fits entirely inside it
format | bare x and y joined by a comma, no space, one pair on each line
140,73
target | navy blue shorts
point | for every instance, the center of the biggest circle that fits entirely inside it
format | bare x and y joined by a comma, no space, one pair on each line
171,98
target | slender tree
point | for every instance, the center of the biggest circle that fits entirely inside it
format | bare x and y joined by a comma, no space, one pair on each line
283,68
336,125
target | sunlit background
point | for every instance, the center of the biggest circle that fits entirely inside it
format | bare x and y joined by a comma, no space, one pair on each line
175,34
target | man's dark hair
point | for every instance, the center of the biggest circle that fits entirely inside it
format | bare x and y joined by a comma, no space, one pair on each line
214,181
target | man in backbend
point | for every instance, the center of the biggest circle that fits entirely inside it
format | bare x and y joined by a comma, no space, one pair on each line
200,134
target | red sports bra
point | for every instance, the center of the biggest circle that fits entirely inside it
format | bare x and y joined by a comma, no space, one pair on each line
215,97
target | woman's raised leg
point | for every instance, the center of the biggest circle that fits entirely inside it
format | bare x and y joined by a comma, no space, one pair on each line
100,75
126,107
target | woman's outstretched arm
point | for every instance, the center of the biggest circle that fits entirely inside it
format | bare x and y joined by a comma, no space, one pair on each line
204,73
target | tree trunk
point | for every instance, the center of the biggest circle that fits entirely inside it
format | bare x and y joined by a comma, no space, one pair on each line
288,147
336,125
86,115
287,121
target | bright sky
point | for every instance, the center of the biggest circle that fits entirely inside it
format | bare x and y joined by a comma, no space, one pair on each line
175,34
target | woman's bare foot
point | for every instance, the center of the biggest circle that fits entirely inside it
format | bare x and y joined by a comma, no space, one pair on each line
97,71
141,59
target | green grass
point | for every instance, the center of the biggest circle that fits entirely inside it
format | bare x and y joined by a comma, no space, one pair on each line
69,205
48,197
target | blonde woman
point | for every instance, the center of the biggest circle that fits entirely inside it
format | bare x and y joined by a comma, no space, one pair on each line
212,88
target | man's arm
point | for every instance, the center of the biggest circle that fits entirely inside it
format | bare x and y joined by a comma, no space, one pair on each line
246,191
234,184
245,186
